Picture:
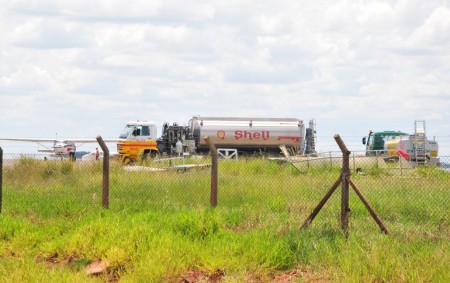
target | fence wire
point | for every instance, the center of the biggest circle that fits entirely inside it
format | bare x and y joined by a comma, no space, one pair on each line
270,193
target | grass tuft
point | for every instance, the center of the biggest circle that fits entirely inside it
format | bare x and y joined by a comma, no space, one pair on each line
160,227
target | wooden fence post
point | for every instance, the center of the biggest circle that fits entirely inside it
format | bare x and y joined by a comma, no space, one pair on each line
105,188
214,171
1,179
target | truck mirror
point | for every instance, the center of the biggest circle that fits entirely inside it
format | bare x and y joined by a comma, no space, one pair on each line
364,140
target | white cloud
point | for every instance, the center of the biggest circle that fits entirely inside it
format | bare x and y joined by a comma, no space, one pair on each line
86,66
377,16
26,77
435,30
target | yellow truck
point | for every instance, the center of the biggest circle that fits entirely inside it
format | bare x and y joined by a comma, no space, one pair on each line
137,140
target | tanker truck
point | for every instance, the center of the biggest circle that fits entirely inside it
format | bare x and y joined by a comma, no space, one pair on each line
413,147
246,135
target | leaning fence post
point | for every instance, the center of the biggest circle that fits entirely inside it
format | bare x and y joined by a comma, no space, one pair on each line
1,179
105,190
321,203
369,208
214,171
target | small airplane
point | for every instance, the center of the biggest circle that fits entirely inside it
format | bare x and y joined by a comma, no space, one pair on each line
62,148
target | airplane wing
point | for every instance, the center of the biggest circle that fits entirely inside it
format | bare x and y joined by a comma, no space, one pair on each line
90,140
60,147
29,139
76,140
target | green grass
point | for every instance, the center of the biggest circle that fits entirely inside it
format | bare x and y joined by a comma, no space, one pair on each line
160,227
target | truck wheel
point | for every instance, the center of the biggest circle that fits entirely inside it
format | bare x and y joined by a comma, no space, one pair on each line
125,160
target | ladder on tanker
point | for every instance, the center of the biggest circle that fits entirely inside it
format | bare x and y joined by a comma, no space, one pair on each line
419,142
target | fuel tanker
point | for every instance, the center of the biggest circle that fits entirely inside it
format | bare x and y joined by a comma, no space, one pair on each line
413,147
246,135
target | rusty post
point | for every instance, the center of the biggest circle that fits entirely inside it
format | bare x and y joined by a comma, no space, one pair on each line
214,171
369,208
322,203
345,180
345,174
105,190
1,179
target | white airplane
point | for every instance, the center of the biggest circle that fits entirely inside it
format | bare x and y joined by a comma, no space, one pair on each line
65,147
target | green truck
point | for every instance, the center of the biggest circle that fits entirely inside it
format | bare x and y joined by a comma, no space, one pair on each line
375,141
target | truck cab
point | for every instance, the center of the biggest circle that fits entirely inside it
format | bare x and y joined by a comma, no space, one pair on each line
138,141
139,131
375,141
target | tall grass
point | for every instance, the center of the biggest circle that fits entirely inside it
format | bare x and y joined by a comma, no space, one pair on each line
160,227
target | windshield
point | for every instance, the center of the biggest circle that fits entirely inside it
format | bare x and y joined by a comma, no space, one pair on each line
126,132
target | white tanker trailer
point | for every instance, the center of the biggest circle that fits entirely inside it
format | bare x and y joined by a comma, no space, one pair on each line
243,134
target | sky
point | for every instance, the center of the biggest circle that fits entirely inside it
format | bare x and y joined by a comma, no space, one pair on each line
82,68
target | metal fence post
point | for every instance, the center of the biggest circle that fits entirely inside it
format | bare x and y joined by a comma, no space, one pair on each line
1,179
346,181
214,171
322,203
105,190
369,208
345,173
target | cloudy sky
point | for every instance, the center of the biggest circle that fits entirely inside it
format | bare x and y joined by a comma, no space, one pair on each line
81,68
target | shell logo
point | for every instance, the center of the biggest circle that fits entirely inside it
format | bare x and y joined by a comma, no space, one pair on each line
221,134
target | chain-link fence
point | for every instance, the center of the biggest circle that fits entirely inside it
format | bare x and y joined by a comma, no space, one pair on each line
271,192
